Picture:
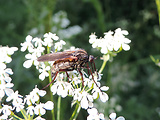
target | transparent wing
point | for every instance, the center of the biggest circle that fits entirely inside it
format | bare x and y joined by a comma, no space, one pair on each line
56,56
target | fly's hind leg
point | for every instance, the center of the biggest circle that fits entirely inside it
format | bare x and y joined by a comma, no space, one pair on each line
55,75
82,76
67,76
65,70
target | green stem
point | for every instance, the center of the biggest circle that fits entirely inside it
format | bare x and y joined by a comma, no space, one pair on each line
158,8
103,66
24,114
48,49
97,5
18,118
59,108
105,59
15,116
76,112
51,96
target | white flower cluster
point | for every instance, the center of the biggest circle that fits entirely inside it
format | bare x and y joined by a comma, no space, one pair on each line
111,42
31,100
61,26
36,47
94,115
84,95
112,116
5,79
18,104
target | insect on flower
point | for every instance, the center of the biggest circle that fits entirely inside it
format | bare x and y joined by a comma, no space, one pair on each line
69,61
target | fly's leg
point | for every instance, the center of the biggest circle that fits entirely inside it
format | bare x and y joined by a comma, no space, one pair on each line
82,76
55,75
93,76
93,66
67,76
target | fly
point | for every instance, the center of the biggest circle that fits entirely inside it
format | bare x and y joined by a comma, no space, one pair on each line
69,61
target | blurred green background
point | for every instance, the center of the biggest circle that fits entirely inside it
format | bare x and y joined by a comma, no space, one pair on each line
133,78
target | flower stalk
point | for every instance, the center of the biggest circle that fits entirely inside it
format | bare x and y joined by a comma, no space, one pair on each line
76,111
59,108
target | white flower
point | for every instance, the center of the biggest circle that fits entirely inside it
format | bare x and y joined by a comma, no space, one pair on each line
76,80
49,105
77,95
86,100
30,110
61,88
111,42
69,32
13,96
4,52
11,50
120,39
94,115
6,111
41,108
37,42
58,45
43,69
39,118
4,73
112,116
31,58
97,90
35,48
33,96
17,101
103,96
48,39
60,18
93,40
27,44
5,85
5,89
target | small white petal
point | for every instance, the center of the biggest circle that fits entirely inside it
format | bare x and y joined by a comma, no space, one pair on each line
27,63
39,118
125,47
84,103
103,97
104,88
54,89
120,118
101,116
49,105
42,111
28,38
41,92
9,92
42,76
112,116
92,111
95,95
2,93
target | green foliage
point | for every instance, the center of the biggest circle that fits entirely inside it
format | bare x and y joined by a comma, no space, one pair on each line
132,76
